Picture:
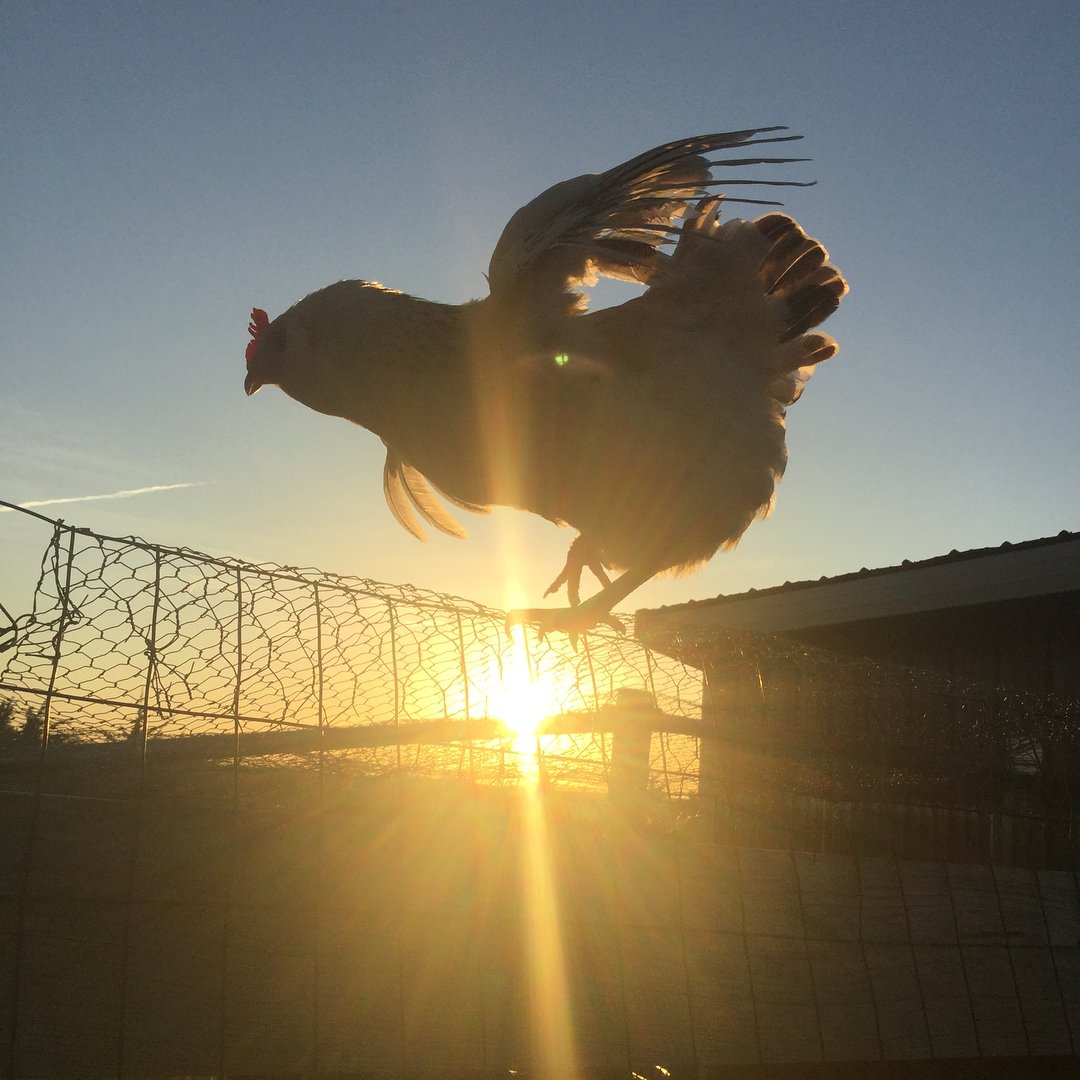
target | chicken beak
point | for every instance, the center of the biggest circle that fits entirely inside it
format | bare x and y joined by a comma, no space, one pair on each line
251,384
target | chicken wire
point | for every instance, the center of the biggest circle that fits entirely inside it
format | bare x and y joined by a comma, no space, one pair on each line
165,651
204,766
198,733
150,655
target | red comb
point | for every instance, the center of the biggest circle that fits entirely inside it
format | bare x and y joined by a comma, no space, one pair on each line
259,322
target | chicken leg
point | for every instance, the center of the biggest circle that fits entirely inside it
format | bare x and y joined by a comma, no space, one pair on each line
581,617
583,552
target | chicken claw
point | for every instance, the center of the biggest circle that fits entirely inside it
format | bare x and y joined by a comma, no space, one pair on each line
597,610
583,552
572,621
577,618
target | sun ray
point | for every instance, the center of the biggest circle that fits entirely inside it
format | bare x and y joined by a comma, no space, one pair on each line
524,697
549,989
522,700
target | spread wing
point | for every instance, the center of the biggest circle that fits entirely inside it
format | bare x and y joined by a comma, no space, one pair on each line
406,488
615,223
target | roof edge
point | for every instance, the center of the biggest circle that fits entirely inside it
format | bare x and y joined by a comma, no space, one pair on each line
980,575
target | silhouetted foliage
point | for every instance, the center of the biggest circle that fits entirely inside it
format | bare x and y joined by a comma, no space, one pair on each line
33,724
7,715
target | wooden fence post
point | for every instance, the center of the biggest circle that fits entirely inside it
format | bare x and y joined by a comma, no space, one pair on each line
628,779
730,709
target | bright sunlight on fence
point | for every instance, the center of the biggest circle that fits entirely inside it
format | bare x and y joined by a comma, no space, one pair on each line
168,651
267,821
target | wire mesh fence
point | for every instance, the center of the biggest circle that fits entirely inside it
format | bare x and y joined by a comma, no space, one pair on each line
138,658
260,820
162,651
195,752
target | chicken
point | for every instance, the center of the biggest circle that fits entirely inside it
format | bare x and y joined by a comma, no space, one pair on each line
654,427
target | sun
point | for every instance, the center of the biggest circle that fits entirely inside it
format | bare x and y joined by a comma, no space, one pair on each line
523,698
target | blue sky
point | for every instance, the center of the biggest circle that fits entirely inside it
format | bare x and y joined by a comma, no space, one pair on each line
167,166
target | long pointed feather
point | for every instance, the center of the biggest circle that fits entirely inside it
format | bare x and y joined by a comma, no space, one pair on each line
760,161
431,510
751,202
464,504
614,223
699,144
729,181
397,497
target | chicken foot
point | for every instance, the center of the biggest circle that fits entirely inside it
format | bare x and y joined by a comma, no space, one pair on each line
581,617
583,552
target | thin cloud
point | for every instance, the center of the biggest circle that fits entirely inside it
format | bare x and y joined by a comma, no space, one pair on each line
35,503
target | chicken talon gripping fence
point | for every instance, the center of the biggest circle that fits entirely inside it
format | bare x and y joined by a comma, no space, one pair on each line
260,820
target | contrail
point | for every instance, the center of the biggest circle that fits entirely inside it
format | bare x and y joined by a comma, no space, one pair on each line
111,495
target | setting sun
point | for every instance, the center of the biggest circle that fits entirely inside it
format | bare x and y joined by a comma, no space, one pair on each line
524,697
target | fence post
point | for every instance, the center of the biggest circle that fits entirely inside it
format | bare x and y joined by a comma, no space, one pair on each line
465,689
396,676
631,739
730,702
236,686
710,752
140,734
604,764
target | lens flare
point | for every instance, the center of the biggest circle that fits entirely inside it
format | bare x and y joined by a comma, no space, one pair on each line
522,700
549,985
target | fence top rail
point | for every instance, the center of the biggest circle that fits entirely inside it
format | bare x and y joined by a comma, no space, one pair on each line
411,595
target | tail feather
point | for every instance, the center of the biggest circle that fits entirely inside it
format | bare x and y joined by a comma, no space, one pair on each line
756,289
407,488
813,304
817,348
804,260
789,259
773,226
797,273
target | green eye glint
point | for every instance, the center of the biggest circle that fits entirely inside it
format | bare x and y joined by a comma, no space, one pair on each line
562,359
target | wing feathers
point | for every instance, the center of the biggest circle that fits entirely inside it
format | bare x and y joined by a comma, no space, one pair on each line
797,272
464,504
406,488
430,508
397,497
814,301
614,223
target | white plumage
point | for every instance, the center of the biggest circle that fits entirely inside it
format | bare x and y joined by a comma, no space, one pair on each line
655,428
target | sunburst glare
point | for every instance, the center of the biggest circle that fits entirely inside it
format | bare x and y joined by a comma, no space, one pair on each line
549,989
522,700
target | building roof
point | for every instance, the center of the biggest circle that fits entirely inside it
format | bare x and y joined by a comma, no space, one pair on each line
1013,571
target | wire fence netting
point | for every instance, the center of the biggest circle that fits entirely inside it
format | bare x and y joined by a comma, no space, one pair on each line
261,820
155,648
148,652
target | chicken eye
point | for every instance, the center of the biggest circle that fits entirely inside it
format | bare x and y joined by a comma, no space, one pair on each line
276,342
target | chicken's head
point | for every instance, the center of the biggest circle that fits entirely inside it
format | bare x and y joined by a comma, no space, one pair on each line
262,350
341,350
279,353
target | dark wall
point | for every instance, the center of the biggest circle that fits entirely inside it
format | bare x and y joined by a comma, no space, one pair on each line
1031,645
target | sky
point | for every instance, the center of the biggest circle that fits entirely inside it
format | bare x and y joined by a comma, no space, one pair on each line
168,166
